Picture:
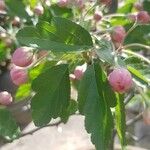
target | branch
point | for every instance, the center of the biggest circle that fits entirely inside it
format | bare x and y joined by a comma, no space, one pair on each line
137,45
39,128
128,98
137,55
135,119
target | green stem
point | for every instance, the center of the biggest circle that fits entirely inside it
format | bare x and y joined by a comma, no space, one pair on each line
136,45
137,55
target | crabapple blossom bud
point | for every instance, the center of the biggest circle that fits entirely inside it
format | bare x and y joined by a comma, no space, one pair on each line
120,79
72,77
63,3
39,10
132,17
79,71
22,56
5,98
143,17
19,75
2,5
97,16
16,21
138,6
80,4
118,34
105,2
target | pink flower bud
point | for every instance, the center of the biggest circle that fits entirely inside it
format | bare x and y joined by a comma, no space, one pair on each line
2,5
132,17
80,4
79,71
22,57
19,76
5,98
72,77
97,16
118,34
39,10
16,21
106,2
120,79
143,17
138,6
63,3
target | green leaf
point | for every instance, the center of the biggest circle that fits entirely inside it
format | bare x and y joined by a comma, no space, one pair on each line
63,12
105,50
109,95
146,5
16,8
8,127
72,108
126,8
139,69
92,103
141,31
22,92
59,35
3,51
137,74
43,66
121,119
116,21
52,96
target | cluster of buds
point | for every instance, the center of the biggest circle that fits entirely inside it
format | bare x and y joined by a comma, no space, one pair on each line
21,58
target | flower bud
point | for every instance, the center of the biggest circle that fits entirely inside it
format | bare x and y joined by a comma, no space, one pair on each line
22,57
5,98
132,17
63,3
72,77
138,6
16,21
120,79
143,17
18,75
106,2
39,10
2,5
118,34
79,71
97,16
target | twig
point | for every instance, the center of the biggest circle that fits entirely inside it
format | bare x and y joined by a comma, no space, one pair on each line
34,130
135,119
136,45
132,28
135,138
129,98
137,55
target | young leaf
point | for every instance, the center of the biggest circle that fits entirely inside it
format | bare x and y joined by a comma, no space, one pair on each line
72,108
139,69
8,127
146,4
52,96
63,12
121,119
92,103
105,50
59,35
17,8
